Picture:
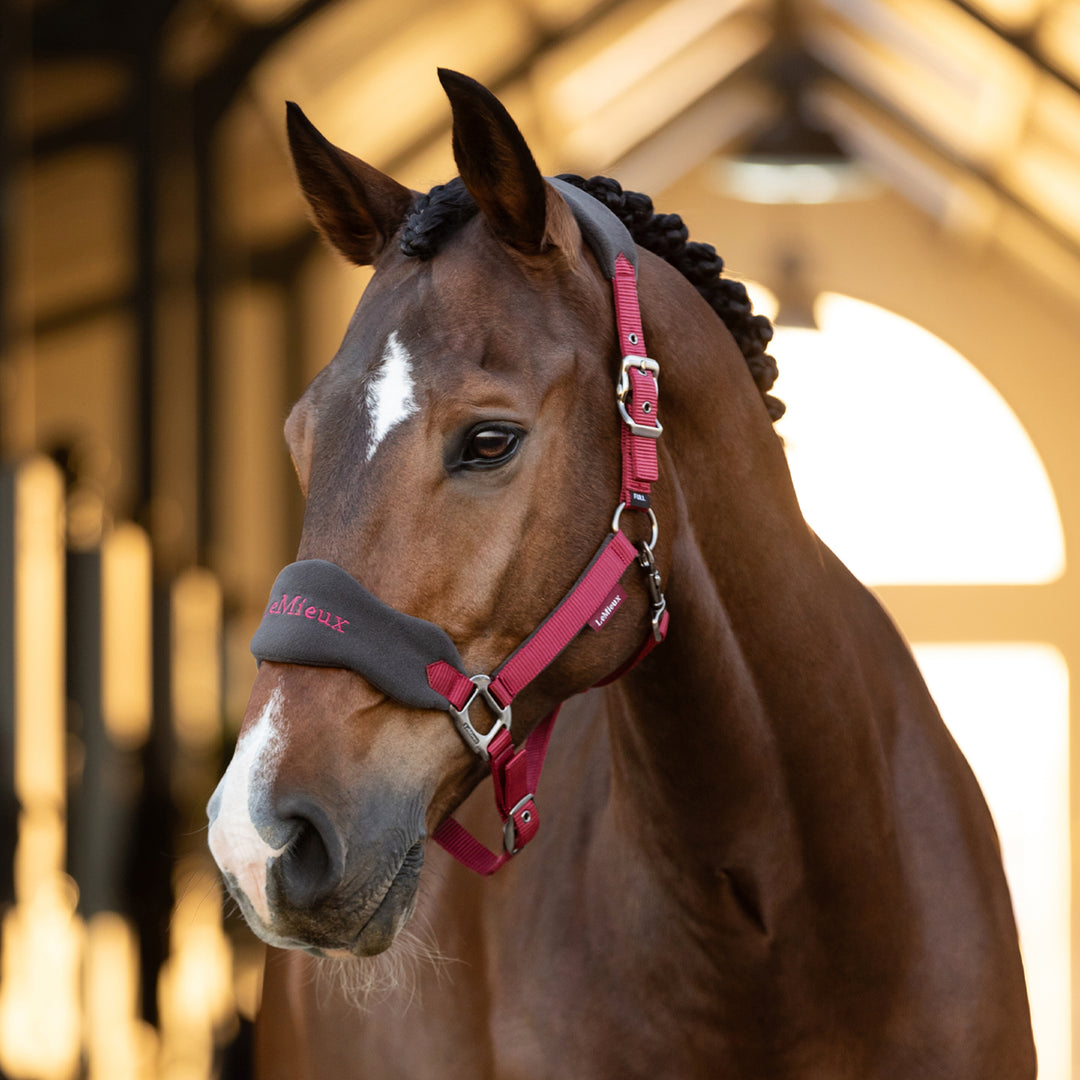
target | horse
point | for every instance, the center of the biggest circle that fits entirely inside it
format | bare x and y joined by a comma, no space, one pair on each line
761,854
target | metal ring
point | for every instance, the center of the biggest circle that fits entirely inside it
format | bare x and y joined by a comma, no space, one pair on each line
652,518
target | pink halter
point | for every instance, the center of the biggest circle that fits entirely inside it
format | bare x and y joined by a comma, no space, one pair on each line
320,615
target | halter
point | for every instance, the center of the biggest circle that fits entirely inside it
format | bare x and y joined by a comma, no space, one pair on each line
320,615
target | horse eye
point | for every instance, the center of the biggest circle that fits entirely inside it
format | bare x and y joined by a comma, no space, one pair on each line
490,446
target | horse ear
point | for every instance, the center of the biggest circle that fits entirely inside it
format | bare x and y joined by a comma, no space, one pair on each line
496,164
356,207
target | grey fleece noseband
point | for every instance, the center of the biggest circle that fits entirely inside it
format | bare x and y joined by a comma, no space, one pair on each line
319,614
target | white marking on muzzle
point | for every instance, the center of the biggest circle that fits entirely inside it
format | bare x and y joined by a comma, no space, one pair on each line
389,398
234,839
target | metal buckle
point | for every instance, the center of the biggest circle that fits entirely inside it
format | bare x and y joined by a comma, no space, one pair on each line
640,429
510,828
622,391
642,362
473,738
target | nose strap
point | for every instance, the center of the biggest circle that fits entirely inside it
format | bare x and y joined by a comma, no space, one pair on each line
319,614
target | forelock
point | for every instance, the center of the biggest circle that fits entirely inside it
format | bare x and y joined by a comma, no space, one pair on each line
435,217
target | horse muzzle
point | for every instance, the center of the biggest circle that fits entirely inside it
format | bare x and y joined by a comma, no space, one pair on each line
314,861
313,908
303,881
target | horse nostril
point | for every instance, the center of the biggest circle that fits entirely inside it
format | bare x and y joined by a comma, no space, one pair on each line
313,863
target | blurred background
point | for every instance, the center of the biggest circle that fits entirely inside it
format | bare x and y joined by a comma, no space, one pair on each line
898,181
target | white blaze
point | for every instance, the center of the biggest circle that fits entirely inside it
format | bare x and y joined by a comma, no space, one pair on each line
234,840
389,398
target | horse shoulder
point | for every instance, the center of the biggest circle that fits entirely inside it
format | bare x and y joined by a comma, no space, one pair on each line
966,970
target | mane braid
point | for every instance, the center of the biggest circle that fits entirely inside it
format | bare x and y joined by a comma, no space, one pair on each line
446,208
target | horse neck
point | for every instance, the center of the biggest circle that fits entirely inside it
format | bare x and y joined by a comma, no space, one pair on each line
748,743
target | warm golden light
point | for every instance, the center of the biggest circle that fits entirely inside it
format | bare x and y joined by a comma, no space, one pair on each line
908,463
39,634
614,68
126,644
558,13
1058,35
119,1045
606,133
1007,705
196,658
953,77
42,1000
1012,14
195,994
40,1018
263,10
393,92
1048,174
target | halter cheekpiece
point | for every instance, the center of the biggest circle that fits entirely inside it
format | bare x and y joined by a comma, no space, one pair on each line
320,615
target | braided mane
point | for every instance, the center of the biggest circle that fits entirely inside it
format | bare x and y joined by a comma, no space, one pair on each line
439,214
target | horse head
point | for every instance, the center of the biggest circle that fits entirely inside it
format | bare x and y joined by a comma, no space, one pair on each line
460,461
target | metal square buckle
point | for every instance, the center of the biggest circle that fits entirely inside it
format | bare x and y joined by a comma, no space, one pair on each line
510,836
474,739
622,391
642,362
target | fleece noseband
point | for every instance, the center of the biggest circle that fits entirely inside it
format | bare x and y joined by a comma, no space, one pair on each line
320,615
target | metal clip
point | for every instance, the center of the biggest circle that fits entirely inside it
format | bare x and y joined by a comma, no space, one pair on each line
474,739
657,600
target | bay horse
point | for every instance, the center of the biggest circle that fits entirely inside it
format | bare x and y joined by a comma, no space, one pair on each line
761,857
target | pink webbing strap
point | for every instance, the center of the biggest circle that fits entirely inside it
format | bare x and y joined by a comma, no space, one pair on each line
638,451
445,679
627,310
647,647
515,774
549,639
515,777
563,624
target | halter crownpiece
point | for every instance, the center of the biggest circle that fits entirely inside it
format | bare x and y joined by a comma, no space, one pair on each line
606,235
320,615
